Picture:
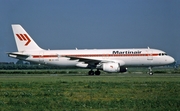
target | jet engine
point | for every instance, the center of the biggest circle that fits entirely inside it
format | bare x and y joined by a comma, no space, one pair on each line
113,67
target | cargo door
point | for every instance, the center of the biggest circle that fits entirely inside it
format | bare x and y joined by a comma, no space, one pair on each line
41,57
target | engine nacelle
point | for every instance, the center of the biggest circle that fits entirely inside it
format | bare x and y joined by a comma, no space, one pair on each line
113,67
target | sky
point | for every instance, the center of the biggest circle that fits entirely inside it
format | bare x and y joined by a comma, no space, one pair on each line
92,24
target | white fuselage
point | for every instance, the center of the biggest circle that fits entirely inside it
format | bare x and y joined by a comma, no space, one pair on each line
126,57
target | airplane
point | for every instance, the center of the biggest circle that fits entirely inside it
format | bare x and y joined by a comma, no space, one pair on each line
107,60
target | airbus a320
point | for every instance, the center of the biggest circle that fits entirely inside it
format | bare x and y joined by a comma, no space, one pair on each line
108,60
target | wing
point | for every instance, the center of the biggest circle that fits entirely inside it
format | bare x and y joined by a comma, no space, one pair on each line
92,61
89,62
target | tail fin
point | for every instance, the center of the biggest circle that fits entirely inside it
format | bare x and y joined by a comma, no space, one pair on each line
23,40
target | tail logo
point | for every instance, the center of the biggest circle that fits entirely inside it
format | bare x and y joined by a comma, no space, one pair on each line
24,37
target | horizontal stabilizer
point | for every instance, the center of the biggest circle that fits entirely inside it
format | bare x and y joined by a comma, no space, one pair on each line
17,55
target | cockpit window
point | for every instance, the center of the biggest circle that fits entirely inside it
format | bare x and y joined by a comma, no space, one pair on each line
162,54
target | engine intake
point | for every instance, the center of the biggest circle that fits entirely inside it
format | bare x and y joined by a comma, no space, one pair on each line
113,67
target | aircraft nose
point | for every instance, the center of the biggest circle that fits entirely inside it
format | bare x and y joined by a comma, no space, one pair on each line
170,60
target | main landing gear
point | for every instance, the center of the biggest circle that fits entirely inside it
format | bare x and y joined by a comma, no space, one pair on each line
150,71
91,72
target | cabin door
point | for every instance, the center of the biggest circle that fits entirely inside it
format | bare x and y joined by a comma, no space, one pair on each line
149,55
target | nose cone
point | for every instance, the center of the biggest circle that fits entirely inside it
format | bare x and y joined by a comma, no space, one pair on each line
170,60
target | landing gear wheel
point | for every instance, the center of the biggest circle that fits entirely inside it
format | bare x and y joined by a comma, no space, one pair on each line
150,71
91,72
97,72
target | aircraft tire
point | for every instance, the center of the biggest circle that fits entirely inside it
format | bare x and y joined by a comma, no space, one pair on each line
97,72
151,73
91,73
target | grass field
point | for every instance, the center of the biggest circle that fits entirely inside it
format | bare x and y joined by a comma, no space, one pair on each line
78,92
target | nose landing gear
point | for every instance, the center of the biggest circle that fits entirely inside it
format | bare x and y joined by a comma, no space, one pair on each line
150,71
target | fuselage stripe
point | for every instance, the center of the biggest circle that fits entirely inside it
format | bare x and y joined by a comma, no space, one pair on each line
44,56
93,55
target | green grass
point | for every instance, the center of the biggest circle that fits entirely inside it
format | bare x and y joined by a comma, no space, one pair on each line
77,92
85,71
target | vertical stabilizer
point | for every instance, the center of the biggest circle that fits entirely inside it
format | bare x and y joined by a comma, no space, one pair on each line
23,40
